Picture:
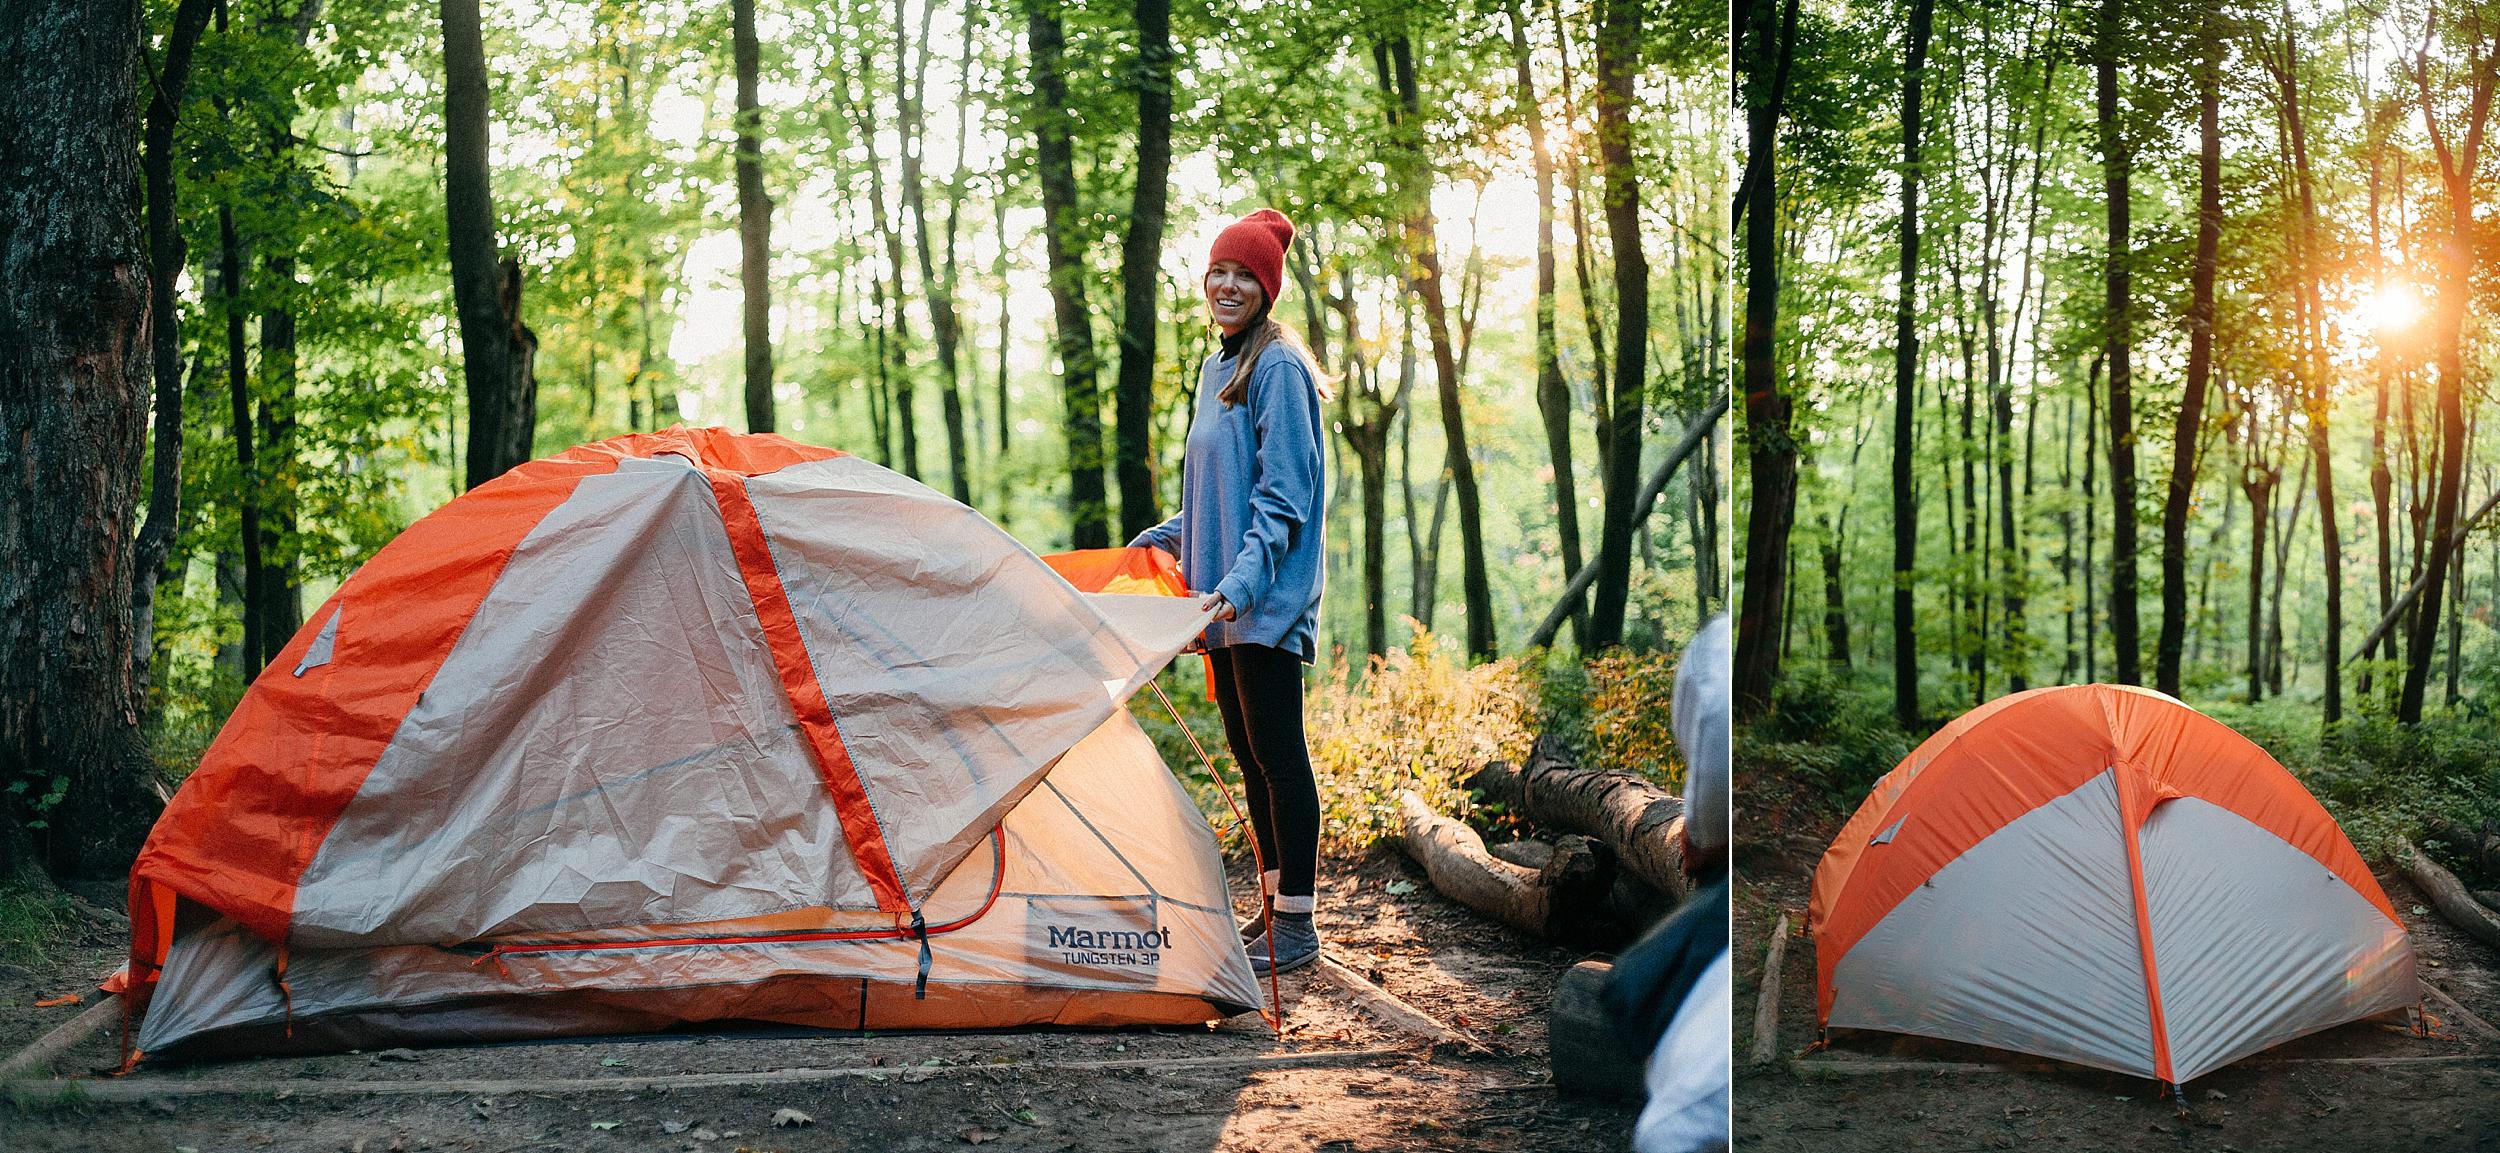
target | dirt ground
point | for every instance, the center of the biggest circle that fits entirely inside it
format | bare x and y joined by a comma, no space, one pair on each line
2366,1087
1239,1087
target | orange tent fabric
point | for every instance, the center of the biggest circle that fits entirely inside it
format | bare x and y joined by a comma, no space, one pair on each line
755,701
2109,839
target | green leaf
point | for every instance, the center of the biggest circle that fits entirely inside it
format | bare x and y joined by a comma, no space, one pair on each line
1401,888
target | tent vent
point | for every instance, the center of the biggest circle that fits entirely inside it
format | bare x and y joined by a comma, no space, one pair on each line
319,654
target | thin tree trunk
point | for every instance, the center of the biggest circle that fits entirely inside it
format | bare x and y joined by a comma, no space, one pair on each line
152,561
2200,324
1771,458
1905,354
2456,265
1425,279
1553,396
1089,514
495,347
755,221
943,323
2315,394
1141,251
2118,338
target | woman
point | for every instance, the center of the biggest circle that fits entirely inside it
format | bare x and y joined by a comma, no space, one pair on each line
1249,527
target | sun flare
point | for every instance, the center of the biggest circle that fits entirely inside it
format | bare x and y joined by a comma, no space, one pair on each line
2389,307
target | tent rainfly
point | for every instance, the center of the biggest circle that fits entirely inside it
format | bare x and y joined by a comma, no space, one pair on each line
2102,875
691,726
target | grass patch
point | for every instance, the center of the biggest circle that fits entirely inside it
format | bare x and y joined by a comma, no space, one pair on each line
31,917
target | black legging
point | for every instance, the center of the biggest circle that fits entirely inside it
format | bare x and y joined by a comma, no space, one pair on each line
1259,691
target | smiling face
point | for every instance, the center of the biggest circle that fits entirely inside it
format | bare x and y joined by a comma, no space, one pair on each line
1233,295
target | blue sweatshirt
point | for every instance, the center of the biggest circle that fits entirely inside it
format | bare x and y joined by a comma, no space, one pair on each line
1252,486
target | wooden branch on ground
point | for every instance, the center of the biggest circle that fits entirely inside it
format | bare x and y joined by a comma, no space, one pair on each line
36,1059
2441,888
1588,1056
1562,899
1766,1010
1395,1012
1642,823
2458,1015
144,1086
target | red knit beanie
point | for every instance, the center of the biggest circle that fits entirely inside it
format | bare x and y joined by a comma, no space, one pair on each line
1258,241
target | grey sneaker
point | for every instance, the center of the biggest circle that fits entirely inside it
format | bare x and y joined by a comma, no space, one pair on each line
1295,943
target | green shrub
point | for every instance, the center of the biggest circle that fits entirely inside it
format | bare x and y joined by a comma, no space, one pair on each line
1630,718
1826,729
1415,720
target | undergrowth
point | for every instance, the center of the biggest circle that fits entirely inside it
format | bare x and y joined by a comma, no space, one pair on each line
28,918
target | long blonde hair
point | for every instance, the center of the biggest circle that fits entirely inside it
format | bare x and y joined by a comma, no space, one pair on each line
1273,331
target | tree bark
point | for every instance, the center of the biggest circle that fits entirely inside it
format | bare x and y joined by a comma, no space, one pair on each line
1641,822
1618,62
496,349
74,381
755,222
1055,158
1905,354
2118,342
1141,252
2200,324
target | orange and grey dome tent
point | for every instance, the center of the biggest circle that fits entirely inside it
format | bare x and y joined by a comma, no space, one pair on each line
2102,875
682,727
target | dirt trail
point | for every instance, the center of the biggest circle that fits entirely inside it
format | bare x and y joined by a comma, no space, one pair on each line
2366,1087
1239,1087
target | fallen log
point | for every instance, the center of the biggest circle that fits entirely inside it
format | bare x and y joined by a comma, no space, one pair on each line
1589,1057
1564,900
1766,1011
2482,846
37,1059
2441,888
1642,823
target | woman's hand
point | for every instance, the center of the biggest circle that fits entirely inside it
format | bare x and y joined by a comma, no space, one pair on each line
1215,603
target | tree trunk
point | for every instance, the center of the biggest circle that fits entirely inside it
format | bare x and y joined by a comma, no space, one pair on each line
1618,62
74,381
495,347
1553,396
944,325
1141,252
2200,324
2118,340
755,222
1055,158
166,254
1425,278
2456,266
1835,606
2316,394
1905,382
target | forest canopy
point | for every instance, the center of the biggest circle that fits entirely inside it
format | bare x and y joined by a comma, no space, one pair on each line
399,247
